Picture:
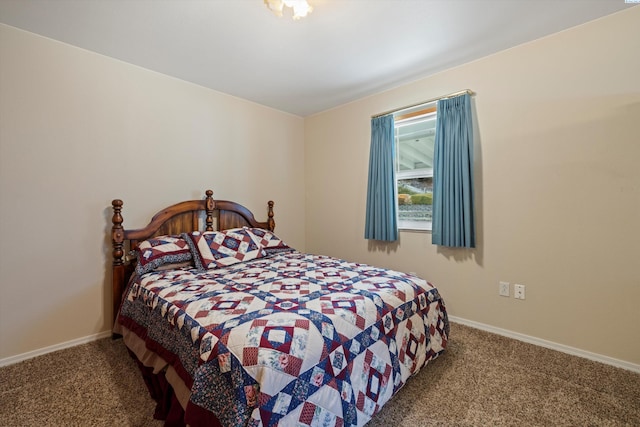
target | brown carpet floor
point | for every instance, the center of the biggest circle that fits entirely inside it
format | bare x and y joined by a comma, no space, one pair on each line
481,380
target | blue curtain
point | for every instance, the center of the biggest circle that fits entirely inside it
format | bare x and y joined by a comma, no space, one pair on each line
381,216
453,209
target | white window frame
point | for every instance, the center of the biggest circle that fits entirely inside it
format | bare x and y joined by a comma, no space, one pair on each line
409,225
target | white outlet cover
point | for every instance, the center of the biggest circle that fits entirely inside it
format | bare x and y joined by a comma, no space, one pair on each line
503,289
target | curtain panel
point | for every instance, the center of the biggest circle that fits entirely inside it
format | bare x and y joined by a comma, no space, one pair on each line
453,205
381,221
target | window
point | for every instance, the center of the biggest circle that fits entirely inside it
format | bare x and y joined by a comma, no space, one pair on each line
415,138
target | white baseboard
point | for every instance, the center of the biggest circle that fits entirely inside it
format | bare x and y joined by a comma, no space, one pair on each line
31,354
549,344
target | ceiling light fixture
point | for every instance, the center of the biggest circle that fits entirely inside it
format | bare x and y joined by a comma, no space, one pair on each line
301,8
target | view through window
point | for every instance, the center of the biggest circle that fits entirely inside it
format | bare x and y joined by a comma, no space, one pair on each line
415,138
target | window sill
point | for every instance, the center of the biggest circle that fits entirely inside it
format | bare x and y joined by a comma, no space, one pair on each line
414,226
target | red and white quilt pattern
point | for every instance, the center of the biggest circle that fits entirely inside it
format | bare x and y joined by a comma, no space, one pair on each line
215,249
291,339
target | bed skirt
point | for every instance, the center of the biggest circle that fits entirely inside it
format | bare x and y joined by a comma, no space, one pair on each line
165,387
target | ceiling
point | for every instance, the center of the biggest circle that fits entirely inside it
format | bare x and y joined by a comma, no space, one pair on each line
343,51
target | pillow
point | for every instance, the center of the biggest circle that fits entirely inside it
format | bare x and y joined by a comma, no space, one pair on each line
175,266
161,251
217,249
270,242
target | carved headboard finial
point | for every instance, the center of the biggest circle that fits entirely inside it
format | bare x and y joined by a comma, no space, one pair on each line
209,207
271,222
117,234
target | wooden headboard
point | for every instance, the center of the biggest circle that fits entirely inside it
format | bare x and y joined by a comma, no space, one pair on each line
191,215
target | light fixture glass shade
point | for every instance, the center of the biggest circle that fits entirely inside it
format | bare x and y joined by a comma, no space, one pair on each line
301,8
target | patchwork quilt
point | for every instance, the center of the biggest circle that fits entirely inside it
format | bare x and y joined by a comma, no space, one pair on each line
292,339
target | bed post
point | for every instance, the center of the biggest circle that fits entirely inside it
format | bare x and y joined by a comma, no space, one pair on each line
270,221
210,205
117,238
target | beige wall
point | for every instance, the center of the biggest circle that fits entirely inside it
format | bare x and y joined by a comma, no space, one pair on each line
77,130
557,182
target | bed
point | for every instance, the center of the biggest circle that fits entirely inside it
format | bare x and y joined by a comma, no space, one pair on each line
231,326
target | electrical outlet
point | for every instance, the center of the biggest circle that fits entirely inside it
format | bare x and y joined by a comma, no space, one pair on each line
518,291
503,290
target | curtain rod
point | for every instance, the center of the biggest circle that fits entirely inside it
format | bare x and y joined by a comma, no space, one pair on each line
451,95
